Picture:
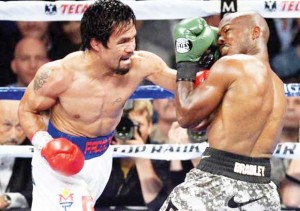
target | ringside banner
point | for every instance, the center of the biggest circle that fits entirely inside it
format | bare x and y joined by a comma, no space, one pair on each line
146,10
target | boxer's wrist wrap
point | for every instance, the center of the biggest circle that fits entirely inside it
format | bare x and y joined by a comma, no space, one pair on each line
40,139
186,71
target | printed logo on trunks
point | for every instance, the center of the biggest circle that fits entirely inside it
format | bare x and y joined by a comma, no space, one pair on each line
66,198
183,45
249,169
96,146
233,204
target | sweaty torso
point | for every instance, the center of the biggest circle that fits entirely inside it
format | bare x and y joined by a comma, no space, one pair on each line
250,118
92,104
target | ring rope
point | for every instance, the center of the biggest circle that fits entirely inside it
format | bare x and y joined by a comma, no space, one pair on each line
158,151
146,10
142,92
290,150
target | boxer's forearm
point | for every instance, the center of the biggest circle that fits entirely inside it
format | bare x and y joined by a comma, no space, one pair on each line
30,121
150,182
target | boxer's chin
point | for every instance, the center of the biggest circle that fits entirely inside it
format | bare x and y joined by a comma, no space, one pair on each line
124,67
122,71
224,50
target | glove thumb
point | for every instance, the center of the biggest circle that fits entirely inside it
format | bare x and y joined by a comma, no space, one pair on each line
195,25
215,31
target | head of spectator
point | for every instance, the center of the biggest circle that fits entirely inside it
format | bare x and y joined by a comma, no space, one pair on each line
165,109
72,30
142,113
29,55
139,113
286,64
290,132
11,132
67,39
34,29
23,29
15,181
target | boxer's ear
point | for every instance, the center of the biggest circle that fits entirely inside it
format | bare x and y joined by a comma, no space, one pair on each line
95,44
255,32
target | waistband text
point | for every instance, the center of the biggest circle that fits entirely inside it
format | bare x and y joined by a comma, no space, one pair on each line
249,169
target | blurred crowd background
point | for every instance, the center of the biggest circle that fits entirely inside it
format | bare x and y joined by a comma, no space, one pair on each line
135,184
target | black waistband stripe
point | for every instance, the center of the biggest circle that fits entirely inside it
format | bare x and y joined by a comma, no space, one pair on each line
239,167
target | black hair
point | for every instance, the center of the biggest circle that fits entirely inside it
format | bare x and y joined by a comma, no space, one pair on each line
101,19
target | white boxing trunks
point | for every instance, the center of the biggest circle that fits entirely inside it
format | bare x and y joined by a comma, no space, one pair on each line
53,191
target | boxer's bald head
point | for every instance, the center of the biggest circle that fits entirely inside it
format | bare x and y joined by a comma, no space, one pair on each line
243,32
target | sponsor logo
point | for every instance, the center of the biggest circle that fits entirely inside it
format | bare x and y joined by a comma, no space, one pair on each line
283,6
66,199
249,169
96,146
233,204
270,6
183,45
66,9
290,6
228,6
50,9
71,9
292,89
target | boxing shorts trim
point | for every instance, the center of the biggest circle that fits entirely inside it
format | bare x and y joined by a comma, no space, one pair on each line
90,147
238,167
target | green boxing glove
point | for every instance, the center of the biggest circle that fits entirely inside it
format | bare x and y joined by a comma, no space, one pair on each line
192,38
212,54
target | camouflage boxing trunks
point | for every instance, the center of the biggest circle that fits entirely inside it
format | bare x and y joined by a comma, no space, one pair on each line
226,181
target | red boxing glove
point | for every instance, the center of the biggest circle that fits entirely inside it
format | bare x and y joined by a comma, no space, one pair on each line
201,77
62,155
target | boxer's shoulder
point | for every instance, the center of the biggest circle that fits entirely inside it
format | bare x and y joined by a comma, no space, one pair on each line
147,61
237,62
52,74
144,56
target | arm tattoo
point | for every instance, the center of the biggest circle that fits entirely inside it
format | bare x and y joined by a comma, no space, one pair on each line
41,79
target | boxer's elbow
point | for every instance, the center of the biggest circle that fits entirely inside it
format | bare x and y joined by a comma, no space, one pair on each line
184,118
189,117
183,123
22,111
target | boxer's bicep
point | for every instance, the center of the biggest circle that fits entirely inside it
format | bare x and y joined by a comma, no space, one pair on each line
44,90
195,105
35,101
